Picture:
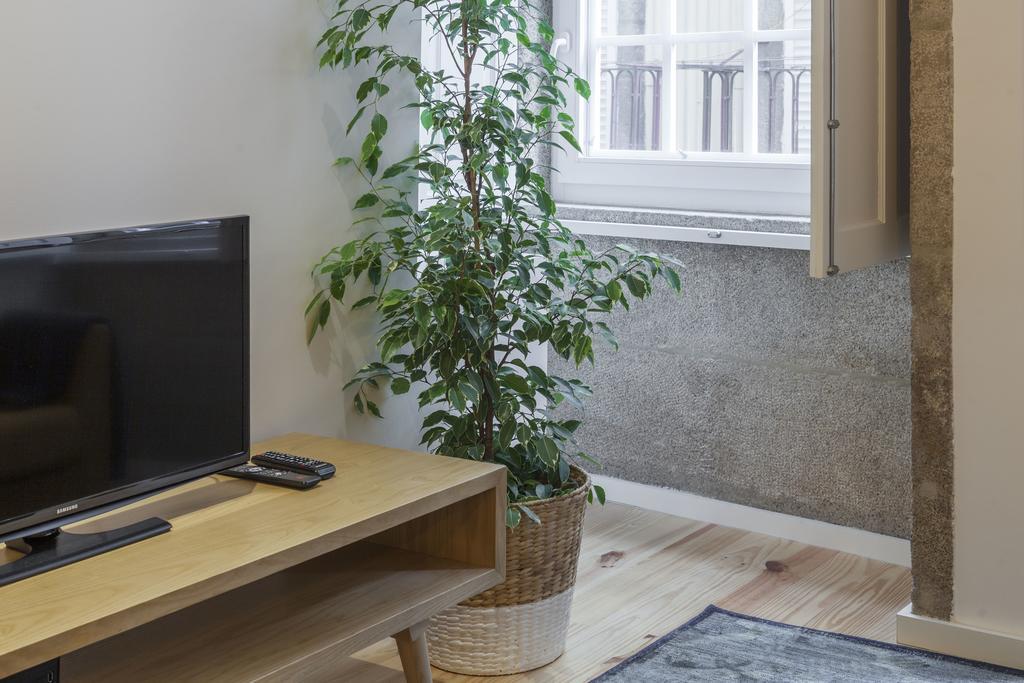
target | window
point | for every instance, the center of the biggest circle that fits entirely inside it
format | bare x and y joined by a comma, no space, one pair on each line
696,104
671,123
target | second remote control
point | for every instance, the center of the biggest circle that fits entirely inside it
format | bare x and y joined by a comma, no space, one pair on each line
295,480
295,463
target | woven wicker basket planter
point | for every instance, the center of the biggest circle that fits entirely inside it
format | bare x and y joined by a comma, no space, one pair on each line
520,624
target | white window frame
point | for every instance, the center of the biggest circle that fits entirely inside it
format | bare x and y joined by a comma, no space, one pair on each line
776,184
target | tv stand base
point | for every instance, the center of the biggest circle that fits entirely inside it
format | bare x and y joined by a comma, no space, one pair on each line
58,548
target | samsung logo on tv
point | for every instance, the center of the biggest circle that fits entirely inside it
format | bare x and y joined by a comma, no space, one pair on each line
67,508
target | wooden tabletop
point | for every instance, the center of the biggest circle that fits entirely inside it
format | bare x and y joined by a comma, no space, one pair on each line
227,533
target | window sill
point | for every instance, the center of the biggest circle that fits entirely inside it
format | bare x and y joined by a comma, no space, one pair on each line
777,232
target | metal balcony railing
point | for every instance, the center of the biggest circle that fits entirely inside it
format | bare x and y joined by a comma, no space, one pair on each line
633,85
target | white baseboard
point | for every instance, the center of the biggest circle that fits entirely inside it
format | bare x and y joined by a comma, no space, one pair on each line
959,640
812,532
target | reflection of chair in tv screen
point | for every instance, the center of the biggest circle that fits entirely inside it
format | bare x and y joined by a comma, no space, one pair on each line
56,375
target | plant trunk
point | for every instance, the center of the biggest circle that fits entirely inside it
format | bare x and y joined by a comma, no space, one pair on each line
486,433
489,414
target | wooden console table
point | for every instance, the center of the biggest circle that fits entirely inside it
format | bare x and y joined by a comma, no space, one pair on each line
263,583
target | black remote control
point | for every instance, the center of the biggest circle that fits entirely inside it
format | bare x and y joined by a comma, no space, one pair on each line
295,480
295,463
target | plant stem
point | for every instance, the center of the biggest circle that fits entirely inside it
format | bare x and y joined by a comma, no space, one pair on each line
489,415
474,185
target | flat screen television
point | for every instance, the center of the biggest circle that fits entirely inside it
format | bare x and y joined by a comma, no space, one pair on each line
124,370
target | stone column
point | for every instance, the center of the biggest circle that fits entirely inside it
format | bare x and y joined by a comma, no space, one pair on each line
931,285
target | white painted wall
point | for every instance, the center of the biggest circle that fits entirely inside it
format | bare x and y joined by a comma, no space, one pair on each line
124,112
988,314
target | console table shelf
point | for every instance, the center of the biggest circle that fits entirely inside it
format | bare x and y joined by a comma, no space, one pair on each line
259,583
292,625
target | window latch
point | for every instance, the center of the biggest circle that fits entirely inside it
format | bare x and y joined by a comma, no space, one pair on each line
560,43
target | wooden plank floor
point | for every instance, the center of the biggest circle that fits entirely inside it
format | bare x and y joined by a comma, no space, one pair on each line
644,573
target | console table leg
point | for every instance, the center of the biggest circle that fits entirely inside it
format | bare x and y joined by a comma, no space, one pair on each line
412,649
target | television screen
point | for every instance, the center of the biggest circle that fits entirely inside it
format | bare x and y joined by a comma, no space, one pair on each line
123,364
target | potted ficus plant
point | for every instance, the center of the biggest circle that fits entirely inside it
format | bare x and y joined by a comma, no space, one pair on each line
466,284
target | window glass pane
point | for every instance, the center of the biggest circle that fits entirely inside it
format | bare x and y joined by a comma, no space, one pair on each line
784,97
709,97
783,14
632,17
702,91
630,97
702,16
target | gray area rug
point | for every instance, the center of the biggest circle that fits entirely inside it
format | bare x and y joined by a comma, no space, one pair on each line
724,647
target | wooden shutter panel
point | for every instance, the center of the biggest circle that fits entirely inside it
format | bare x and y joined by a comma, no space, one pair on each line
859,124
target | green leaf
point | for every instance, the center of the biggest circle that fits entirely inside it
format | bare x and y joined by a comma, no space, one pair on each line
608,335
360,18
427,119
349,250
367,200
582,87
599,492
400,385
370,149
379,125
582,350
529,513
506,433
457,400
517,383
434,418
355,119
365,88
614,290
512,517
636,285
365,301
338,290
673,279
390,347
422,313
313,302
571,139
547,450
393,297
394,170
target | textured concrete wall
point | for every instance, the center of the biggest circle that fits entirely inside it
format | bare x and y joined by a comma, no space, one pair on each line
931,224
762,386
